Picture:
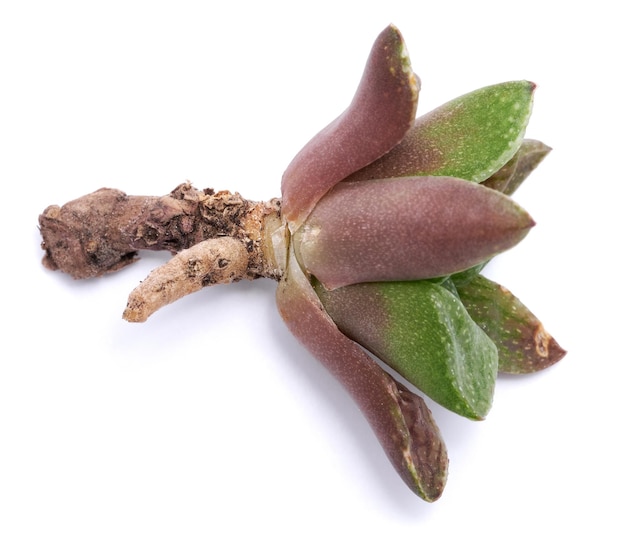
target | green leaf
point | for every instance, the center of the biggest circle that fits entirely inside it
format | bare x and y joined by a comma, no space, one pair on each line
523,344
421,330
470,137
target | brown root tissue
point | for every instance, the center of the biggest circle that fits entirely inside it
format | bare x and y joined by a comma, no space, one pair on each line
219,236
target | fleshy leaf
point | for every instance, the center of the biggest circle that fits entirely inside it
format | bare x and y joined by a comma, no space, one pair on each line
406,229
402,422
523,344
469,137
508,178
421,330
381,112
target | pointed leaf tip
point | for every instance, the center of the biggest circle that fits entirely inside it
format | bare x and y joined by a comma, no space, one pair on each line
409,228
509,178
400,418
523,344
381,113
421,330
469,137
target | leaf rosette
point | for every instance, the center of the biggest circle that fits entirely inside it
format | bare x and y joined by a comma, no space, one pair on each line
391,219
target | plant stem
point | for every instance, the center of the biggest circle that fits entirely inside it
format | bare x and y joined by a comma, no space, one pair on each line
222,238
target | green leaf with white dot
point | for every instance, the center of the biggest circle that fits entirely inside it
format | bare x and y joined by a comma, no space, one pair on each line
470,137
422,331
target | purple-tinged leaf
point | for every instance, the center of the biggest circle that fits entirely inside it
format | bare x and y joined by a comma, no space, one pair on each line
470,137
423,332
406,229
523,344
508,178
400,418
381,113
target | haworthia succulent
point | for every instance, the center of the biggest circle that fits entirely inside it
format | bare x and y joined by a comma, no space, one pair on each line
469,137
421,330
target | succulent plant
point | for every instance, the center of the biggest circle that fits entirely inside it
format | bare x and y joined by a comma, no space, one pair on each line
377,244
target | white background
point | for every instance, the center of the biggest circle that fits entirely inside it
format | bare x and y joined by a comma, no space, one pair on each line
210,418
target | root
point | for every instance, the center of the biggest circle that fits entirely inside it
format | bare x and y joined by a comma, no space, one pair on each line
220,236
221,260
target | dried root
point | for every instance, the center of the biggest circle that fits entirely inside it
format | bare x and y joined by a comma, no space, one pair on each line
221,238
221,260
